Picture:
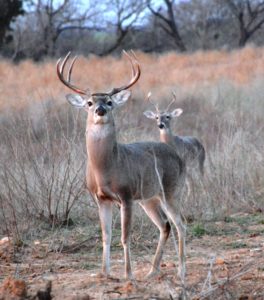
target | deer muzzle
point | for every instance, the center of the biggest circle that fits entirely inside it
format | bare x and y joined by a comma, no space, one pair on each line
100,111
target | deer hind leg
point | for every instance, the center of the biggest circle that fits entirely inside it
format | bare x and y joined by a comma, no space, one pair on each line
126,214
105,213
154,210
188,187
176,218
201,159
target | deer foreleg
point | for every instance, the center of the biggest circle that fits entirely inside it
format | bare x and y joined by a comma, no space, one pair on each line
126,213
105,213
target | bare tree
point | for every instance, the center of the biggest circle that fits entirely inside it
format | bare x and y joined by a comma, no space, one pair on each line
249,15
9,10
203,22
55,17
123,17
168,21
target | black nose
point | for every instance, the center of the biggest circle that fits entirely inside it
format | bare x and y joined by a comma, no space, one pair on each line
100,111
161,126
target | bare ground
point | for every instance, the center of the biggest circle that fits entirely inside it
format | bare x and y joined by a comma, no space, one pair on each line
225,262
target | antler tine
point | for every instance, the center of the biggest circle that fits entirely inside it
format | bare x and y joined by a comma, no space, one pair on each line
133,54
155,105
70,69
172,101
135,58
60,71
136,74
131,61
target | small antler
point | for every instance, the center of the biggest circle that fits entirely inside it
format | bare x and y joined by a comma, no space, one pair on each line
155,105
135,74
172,101
67,82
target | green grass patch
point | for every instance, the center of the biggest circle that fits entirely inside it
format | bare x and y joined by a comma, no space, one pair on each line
228,219
261,221
198,230
244,220
237,245
88,266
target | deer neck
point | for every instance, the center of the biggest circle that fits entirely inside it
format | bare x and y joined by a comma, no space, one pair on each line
102,151
166,136
101,145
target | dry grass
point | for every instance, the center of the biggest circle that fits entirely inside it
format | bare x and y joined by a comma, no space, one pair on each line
221,94
42,158
29,82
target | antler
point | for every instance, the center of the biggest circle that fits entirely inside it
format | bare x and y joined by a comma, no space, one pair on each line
131,61
135,74
67,82
61,66
155,105
172,101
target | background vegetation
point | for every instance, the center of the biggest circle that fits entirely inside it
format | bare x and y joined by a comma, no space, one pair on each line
42,161
210,53
46,28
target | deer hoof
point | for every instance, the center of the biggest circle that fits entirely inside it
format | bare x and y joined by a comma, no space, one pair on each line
181,274
129,276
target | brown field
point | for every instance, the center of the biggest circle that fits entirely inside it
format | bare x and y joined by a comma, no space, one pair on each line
225,262
28,82
50,219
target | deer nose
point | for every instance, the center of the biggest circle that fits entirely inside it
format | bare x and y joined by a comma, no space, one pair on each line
100,111
161,125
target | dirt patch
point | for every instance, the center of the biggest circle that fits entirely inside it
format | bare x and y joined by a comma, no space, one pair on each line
226,262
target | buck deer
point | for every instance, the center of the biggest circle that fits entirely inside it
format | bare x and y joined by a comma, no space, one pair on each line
121,173
189,148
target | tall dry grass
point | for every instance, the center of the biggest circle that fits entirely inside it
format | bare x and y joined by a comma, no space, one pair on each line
28,82
42,139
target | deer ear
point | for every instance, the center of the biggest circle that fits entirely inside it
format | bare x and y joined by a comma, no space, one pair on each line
76,100
176,112
121,97
149,114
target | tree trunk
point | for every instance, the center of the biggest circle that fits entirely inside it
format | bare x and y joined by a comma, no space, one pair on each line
174,28
2,35
244,36
117,43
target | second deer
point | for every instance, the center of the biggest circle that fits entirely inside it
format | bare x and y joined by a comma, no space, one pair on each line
189,148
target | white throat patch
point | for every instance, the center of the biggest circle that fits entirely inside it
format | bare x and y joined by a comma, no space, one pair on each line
99,131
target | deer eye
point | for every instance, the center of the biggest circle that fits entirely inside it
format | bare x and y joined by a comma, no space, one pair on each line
168,117
89,103
157,117
109,103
